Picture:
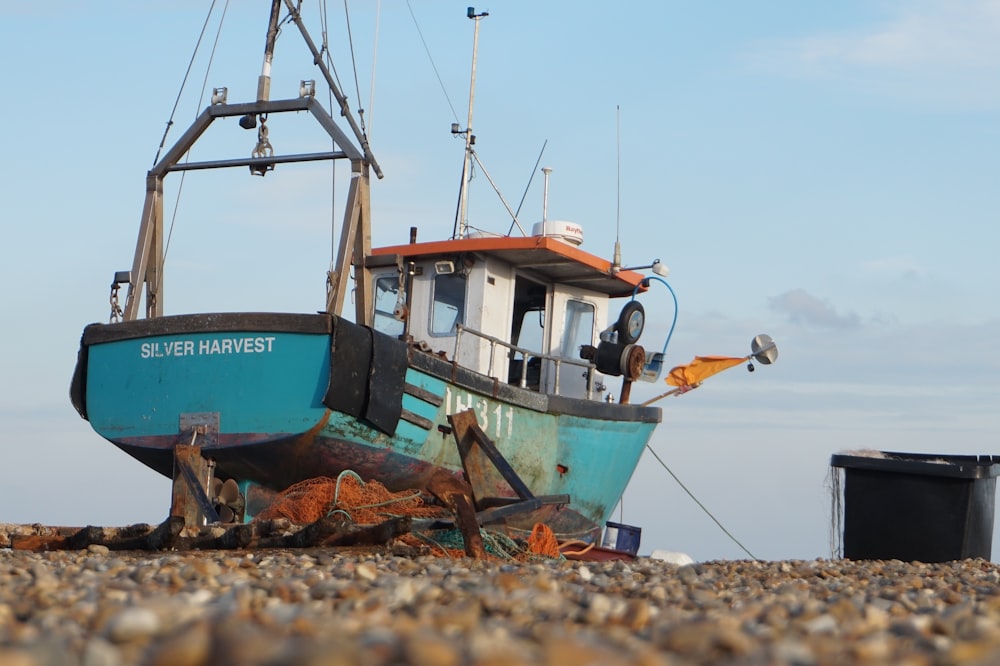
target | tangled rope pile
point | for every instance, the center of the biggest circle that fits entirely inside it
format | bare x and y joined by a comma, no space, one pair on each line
543,541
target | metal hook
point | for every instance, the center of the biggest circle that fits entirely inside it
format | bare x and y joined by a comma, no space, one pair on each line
262,150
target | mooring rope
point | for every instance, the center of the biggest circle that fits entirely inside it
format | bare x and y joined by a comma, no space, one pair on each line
702,506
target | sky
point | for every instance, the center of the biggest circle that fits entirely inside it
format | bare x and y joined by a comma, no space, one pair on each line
823,173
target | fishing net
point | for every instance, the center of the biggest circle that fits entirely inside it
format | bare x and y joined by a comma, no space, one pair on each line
370,503
498,546
363,503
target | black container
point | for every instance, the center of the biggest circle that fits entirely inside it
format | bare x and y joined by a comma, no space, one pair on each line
918,507
622,537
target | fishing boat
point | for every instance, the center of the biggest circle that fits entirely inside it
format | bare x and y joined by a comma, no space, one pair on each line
510,329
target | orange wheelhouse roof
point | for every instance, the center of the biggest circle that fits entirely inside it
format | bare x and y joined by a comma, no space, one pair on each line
549,258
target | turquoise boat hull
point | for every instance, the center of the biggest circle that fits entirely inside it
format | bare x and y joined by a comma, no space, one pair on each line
275,399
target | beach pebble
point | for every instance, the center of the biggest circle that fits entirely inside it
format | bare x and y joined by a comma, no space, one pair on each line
322,607
132,624
672,557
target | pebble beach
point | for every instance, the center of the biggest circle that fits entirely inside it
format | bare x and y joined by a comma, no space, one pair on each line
97,607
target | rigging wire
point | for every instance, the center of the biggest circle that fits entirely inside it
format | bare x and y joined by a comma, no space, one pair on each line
177,101
325,48
323,14
431,58
702,506
534,170
371,91
354,66
201,98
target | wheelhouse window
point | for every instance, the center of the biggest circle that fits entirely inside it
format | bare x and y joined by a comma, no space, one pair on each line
386,298
527,332
448,307
578,329
528,321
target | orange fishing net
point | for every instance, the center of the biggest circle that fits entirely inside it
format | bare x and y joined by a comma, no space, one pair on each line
369,503
366,503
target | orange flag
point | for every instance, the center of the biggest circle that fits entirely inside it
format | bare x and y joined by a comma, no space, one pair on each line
700,369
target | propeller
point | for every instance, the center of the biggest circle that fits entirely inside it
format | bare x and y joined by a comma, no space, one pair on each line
226,515
230,492
227,500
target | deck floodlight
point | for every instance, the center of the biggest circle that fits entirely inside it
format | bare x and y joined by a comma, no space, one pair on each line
444,267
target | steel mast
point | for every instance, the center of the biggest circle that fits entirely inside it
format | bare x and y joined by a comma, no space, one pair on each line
462,215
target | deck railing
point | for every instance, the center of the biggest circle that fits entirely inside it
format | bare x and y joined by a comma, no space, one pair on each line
526,354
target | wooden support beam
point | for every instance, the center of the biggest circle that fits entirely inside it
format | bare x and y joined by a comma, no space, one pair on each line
328,531
132,537
189,498
468,525
473,447
457,495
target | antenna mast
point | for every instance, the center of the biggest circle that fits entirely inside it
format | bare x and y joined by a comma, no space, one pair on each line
462,215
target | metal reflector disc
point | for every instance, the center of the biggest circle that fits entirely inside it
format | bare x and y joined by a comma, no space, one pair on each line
764,350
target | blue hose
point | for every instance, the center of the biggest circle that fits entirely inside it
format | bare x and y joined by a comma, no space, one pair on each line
645,282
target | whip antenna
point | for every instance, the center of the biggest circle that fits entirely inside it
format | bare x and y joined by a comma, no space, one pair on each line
617,261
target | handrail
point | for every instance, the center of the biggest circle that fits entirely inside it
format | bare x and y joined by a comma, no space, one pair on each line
527,354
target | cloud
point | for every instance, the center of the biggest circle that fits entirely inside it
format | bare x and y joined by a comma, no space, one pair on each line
801,307
934,33
904,268
936,51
